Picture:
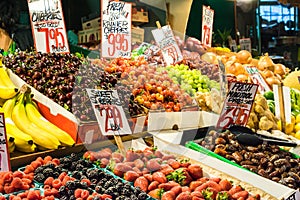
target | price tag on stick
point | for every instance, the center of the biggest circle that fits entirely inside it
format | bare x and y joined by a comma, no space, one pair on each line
4,154
207,25
109,114
115,29
48,27
165,39
237,105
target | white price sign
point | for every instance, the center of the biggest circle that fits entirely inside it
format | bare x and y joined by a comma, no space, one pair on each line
257,78
48,27
115,29
4,154
238,104
109,112
207,25
165,39
245,44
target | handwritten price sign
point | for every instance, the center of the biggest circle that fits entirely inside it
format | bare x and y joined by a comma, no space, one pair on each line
48,26
4,155
257,79
238,104
207,25
109,112
115,29
165,39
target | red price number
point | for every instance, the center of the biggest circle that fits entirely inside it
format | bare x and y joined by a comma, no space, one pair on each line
53,34
171,52
206,35
233,115
117,42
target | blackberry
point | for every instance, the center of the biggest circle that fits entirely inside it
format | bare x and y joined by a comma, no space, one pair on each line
62,190
133,197
48,172
93,185
126,192
92,174
83,177
39,178
77,183
70,185
97,198
94,181
120,197
39,170
56,174
72,197
101,175
64,197
142,196
127,186
99,189
76,174
50,165
70,192
84,185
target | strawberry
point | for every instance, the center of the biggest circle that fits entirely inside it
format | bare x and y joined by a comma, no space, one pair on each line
117,155
130,176
85,194
141,182
32,195
153,165
78,192
160,177
49,181
131,155
17,183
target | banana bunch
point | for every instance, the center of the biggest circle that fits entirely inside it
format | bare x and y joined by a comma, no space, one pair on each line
23,142
7,87
38,120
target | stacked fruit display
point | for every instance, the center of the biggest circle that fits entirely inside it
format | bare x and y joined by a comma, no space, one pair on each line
164,176
28,128
266,160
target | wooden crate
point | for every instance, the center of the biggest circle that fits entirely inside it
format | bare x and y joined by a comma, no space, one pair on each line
89,35
5,40
140,16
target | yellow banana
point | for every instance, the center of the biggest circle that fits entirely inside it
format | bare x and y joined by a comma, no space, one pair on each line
35,117
5,79
39,136
7,92
20,136
8,106
10,143
27,148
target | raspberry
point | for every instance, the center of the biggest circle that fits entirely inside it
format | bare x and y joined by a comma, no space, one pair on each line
88,182
17,183
49,181
62,175
17,174
85,194
33,195
77,193
56,183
